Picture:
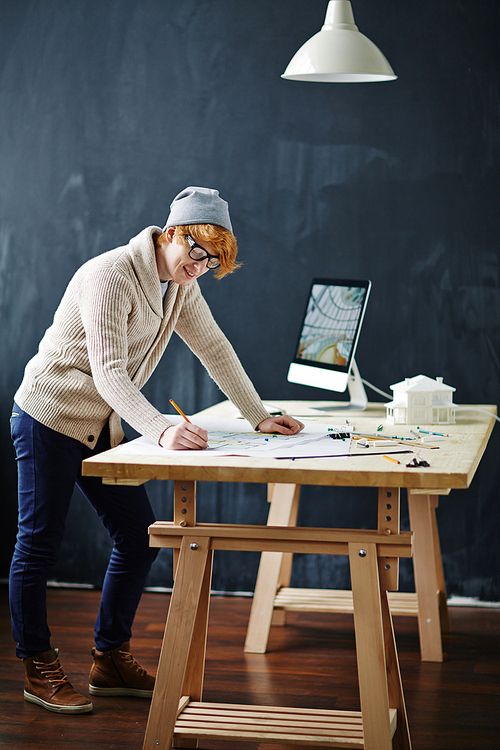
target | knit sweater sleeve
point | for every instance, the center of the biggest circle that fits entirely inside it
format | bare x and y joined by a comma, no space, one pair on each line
197,327
106,306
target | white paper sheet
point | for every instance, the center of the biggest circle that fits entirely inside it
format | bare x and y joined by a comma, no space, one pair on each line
235,437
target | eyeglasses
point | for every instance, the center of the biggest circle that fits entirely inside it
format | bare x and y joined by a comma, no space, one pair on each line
199,253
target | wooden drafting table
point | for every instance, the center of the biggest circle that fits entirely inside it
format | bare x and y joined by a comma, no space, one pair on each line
452,467
382,723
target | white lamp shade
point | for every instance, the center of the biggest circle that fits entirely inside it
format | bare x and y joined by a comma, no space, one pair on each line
339,53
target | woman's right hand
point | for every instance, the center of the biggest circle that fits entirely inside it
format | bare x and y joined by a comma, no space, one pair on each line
184,436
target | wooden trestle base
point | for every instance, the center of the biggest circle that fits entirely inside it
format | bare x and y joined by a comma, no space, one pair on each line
179,718
273,596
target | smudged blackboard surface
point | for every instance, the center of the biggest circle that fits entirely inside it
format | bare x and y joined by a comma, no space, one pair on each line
107,110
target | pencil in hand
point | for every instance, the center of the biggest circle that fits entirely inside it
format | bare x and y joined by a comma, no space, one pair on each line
179,410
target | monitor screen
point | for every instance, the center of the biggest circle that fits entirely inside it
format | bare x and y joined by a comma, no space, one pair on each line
329,333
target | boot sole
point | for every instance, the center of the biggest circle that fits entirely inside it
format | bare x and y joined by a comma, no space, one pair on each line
55,708
120,691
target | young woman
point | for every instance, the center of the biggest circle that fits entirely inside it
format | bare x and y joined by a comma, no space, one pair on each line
108,334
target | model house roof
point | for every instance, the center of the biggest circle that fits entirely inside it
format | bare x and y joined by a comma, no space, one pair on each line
421,383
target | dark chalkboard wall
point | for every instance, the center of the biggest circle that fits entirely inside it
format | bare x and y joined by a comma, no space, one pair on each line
108,109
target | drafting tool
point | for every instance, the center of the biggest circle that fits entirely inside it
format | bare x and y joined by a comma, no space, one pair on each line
378,453
400,440
179,410
429,432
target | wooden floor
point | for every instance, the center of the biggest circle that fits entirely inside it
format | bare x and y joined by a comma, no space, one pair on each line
310,663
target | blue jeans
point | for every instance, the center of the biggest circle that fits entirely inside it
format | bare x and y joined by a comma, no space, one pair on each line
49,465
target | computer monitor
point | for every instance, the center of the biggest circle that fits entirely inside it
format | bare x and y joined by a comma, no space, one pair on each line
329,333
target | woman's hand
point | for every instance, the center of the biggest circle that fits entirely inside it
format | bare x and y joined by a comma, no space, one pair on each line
284,424
184,436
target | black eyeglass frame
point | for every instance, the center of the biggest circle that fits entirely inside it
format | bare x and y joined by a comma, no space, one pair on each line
213,261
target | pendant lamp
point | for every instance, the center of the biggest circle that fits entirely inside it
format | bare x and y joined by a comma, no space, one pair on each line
339,52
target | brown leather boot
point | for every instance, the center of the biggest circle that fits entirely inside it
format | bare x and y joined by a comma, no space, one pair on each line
116,672
47,685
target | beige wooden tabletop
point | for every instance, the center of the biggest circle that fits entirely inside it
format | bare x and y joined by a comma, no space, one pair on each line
452,464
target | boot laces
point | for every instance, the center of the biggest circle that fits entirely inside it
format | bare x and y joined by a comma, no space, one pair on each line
53,671
131,662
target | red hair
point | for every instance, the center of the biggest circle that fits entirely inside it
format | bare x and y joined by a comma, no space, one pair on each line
222,239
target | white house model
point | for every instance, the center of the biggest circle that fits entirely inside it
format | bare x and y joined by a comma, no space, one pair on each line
421,400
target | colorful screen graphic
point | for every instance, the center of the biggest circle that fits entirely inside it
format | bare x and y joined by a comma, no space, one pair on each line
330,324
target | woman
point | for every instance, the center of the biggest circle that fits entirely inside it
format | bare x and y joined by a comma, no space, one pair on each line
108,334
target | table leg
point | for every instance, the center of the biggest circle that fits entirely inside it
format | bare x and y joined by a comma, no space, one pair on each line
282,512
187,617
370,646
195,668
444,615
401,739
290,520
279,613
425,555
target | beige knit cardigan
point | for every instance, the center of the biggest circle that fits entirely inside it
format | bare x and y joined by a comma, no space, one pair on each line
108,335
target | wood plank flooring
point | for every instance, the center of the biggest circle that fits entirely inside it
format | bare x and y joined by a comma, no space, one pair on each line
311,662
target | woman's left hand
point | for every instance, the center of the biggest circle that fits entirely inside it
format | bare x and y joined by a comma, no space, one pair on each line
284,424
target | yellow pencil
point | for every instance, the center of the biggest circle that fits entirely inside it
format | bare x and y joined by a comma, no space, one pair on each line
392,459
179,410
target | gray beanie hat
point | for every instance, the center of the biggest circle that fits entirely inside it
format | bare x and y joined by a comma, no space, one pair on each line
198,205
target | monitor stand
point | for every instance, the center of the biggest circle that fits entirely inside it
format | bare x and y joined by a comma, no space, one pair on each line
357,393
